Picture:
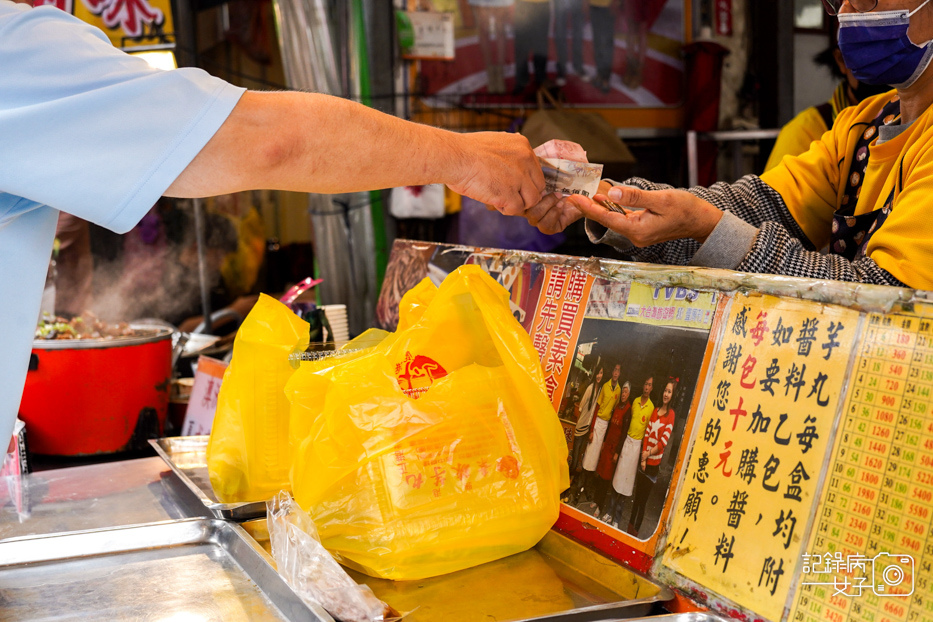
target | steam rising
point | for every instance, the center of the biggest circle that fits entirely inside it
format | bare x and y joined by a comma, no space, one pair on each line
155,274
156,287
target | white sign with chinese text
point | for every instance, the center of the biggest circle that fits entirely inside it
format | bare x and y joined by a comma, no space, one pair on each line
426,34
203,401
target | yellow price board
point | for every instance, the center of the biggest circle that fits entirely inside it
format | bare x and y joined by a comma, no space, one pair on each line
741,515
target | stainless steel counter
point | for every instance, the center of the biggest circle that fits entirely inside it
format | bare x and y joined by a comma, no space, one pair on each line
97,496
128,540
134,542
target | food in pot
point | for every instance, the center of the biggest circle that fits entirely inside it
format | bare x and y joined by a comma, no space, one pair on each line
86,326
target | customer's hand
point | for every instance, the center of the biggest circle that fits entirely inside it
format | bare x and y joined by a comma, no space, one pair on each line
498,169
656,215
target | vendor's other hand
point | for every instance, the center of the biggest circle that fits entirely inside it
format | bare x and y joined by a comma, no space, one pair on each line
499,169
657,215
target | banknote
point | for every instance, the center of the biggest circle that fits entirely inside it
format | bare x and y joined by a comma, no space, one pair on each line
569,177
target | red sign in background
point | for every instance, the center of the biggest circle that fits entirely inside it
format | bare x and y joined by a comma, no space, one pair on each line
723,18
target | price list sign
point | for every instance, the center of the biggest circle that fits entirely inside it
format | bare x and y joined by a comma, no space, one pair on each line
741,516
870,555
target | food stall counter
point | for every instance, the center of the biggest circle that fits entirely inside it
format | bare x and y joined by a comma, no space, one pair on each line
112,494
77,525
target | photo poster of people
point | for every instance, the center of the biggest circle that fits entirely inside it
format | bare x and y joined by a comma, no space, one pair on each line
638,364
596,53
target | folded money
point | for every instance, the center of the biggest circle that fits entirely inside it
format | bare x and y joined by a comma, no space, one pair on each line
569,177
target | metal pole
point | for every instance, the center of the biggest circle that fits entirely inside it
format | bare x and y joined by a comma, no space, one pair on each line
199,235
785,62
693,167
737,164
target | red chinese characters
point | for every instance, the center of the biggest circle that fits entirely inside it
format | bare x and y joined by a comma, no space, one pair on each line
130,15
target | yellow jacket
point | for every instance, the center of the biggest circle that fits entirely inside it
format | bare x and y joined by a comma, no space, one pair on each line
641,413
813,183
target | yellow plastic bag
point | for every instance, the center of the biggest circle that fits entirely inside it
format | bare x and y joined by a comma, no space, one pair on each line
247,455
414,303
314,378
438,449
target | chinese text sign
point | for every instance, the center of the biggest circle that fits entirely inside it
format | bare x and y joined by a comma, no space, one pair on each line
739,520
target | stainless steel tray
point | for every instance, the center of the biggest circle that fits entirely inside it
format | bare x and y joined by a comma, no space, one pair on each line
203,569
187,457
94,496
557,580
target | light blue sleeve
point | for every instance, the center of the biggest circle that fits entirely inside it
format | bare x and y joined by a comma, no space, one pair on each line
85,129
90,130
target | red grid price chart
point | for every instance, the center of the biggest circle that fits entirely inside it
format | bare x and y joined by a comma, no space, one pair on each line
871,550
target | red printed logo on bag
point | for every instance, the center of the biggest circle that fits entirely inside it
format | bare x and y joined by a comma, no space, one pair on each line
508,466
417,373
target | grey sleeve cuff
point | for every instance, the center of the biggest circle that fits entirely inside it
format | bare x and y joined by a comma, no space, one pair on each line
598,234
728,244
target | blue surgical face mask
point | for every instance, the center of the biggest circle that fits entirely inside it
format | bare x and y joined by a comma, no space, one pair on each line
876,48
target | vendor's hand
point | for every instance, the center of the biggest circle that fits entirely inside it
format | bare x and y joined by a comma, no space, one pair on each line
644,464
498,169
657,215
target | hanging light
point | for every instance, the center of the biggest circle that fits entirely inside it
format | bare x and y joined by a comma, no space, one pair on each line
159,57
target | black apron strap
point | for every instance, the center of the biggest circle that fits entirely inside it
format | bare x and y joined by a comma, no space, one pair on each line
826,111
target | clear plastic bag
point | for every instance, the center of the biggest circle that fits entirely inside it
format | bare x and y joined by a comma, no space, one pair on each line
311,571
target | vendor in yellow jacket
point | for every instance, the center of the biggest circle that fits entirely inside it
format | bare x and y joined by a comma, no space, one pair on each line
813,122
863,189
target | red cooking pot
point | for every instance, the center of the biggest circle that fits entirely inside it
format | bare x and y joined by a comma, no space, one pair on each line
97,396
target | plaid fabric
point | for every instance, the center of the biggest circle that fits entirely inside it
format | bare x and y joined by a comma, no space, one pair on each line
780,247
